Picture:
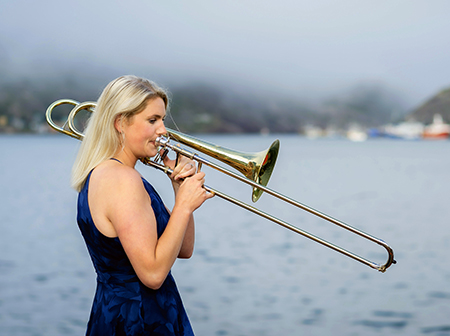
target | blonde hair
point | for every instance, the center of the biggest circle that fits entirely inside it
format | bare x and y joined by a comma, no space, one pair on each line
124,97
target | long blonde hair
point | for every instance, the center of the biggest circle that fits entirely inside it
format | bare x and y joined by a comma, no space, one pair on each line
124,97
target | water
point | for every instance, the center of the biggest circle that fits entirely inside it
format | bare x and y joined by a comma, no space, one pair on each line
248,276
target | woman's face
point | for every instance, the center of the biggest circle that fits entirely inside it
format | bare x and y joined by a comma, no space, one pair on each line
143,128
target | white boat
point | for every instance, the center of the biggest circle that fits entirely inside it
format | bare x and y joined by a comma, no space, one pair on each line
410,130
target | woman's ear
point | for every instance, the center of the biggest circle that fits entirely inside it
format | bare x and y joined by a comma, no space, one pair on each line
118,123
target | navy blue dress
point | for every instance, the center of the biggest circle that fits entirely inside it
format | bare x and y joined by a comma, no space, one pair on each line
123,305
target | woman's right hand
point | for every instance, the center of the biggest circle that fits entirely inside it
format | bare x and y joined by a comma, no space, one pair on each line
191,193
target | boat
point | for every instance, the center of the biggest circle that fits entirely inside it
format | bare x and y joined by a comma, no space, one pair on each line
438,129
409,130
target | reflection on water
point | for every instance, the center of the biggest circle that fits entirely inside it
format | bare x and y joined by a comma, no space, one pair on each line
248,276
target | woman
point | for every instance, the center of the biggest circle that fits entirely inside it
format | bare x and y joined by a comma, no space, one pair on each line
131,237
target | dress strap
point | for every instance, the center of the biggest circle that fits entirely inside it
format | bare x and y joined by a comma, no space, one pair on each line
116,160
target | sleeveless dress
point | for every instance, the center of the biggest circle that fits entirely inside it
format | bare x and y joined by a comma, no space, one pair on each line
123,305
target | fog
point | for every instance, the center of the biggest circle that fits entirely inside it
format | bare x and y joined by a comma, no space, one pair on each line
300,48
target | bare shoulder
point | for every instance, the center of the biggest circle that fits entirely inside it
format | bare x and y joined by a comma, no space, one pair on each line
110,176
115,192
114,186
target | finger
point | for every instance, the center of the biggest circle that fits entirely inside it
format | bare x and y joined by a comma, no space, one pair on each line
188,169
200,175
209,194
178,170
168,162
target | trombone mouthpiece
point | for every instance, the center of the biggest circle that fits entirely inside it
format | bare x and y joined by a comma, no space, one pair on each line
162,141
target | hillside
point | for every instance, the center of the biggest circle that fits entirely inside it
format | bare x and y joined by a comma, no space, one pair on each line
438,104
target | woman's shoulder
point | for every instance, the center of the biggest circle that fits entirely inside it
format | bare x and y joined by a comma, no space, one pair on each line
111,174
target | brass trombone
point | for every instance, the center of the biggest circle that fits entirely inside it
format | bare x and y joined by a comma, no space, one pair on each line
256,167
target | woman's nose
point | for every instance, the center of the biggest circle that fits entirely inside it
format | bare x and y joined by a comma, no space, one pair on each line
162,129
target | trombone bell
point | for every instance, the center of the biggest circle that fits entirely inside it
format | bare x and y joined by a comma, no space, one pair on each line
255,166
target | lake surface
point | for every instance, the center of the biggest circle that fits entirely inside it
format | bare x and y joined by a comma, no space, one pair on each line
248,276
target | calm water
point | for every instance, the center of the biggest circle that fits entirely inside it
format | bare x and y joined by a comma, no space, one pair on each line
248,276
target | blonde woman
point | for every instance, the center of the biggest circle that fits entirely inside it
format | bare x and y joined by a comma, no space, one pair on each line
131,237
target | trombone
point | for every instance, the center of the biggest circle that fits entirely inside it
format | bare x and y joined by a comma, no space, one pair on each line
256,168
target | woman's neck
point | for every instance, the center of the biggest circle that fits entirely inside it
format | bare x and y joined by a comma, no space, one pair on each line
126,158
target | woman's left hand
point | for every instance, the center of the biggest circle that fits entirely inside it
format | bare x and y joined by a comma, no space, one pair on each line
184,168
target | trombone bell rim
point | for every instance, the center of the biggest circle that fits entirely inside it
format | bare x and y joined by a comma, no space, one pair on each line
266,168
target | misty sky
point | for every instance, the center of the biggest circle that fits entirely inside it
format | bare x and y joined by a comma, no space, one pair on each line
299,47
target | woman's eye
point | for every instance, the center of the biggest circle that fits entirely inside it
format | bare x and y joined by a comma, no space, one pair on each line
152,121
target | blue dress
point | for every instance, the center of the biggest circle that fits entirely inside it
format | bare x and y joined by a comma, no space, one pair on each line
123,305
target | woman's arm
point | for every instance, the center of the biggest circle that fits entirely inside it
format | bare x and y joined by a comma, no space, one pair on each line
187,247
183,167
118,195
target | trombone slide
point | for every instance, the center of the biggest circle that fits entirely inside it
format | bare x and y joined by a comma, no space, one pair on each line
382,268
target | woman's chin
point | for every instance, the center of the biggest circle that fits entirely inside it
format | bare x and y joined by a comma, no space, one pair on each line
151,153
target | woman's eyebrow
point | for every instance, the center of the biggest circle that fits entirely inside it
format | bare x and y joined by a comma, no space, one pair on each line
158,116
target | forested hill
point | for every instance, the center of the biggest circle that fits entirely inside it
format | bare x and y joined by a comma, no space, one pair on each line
438,104
205,108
